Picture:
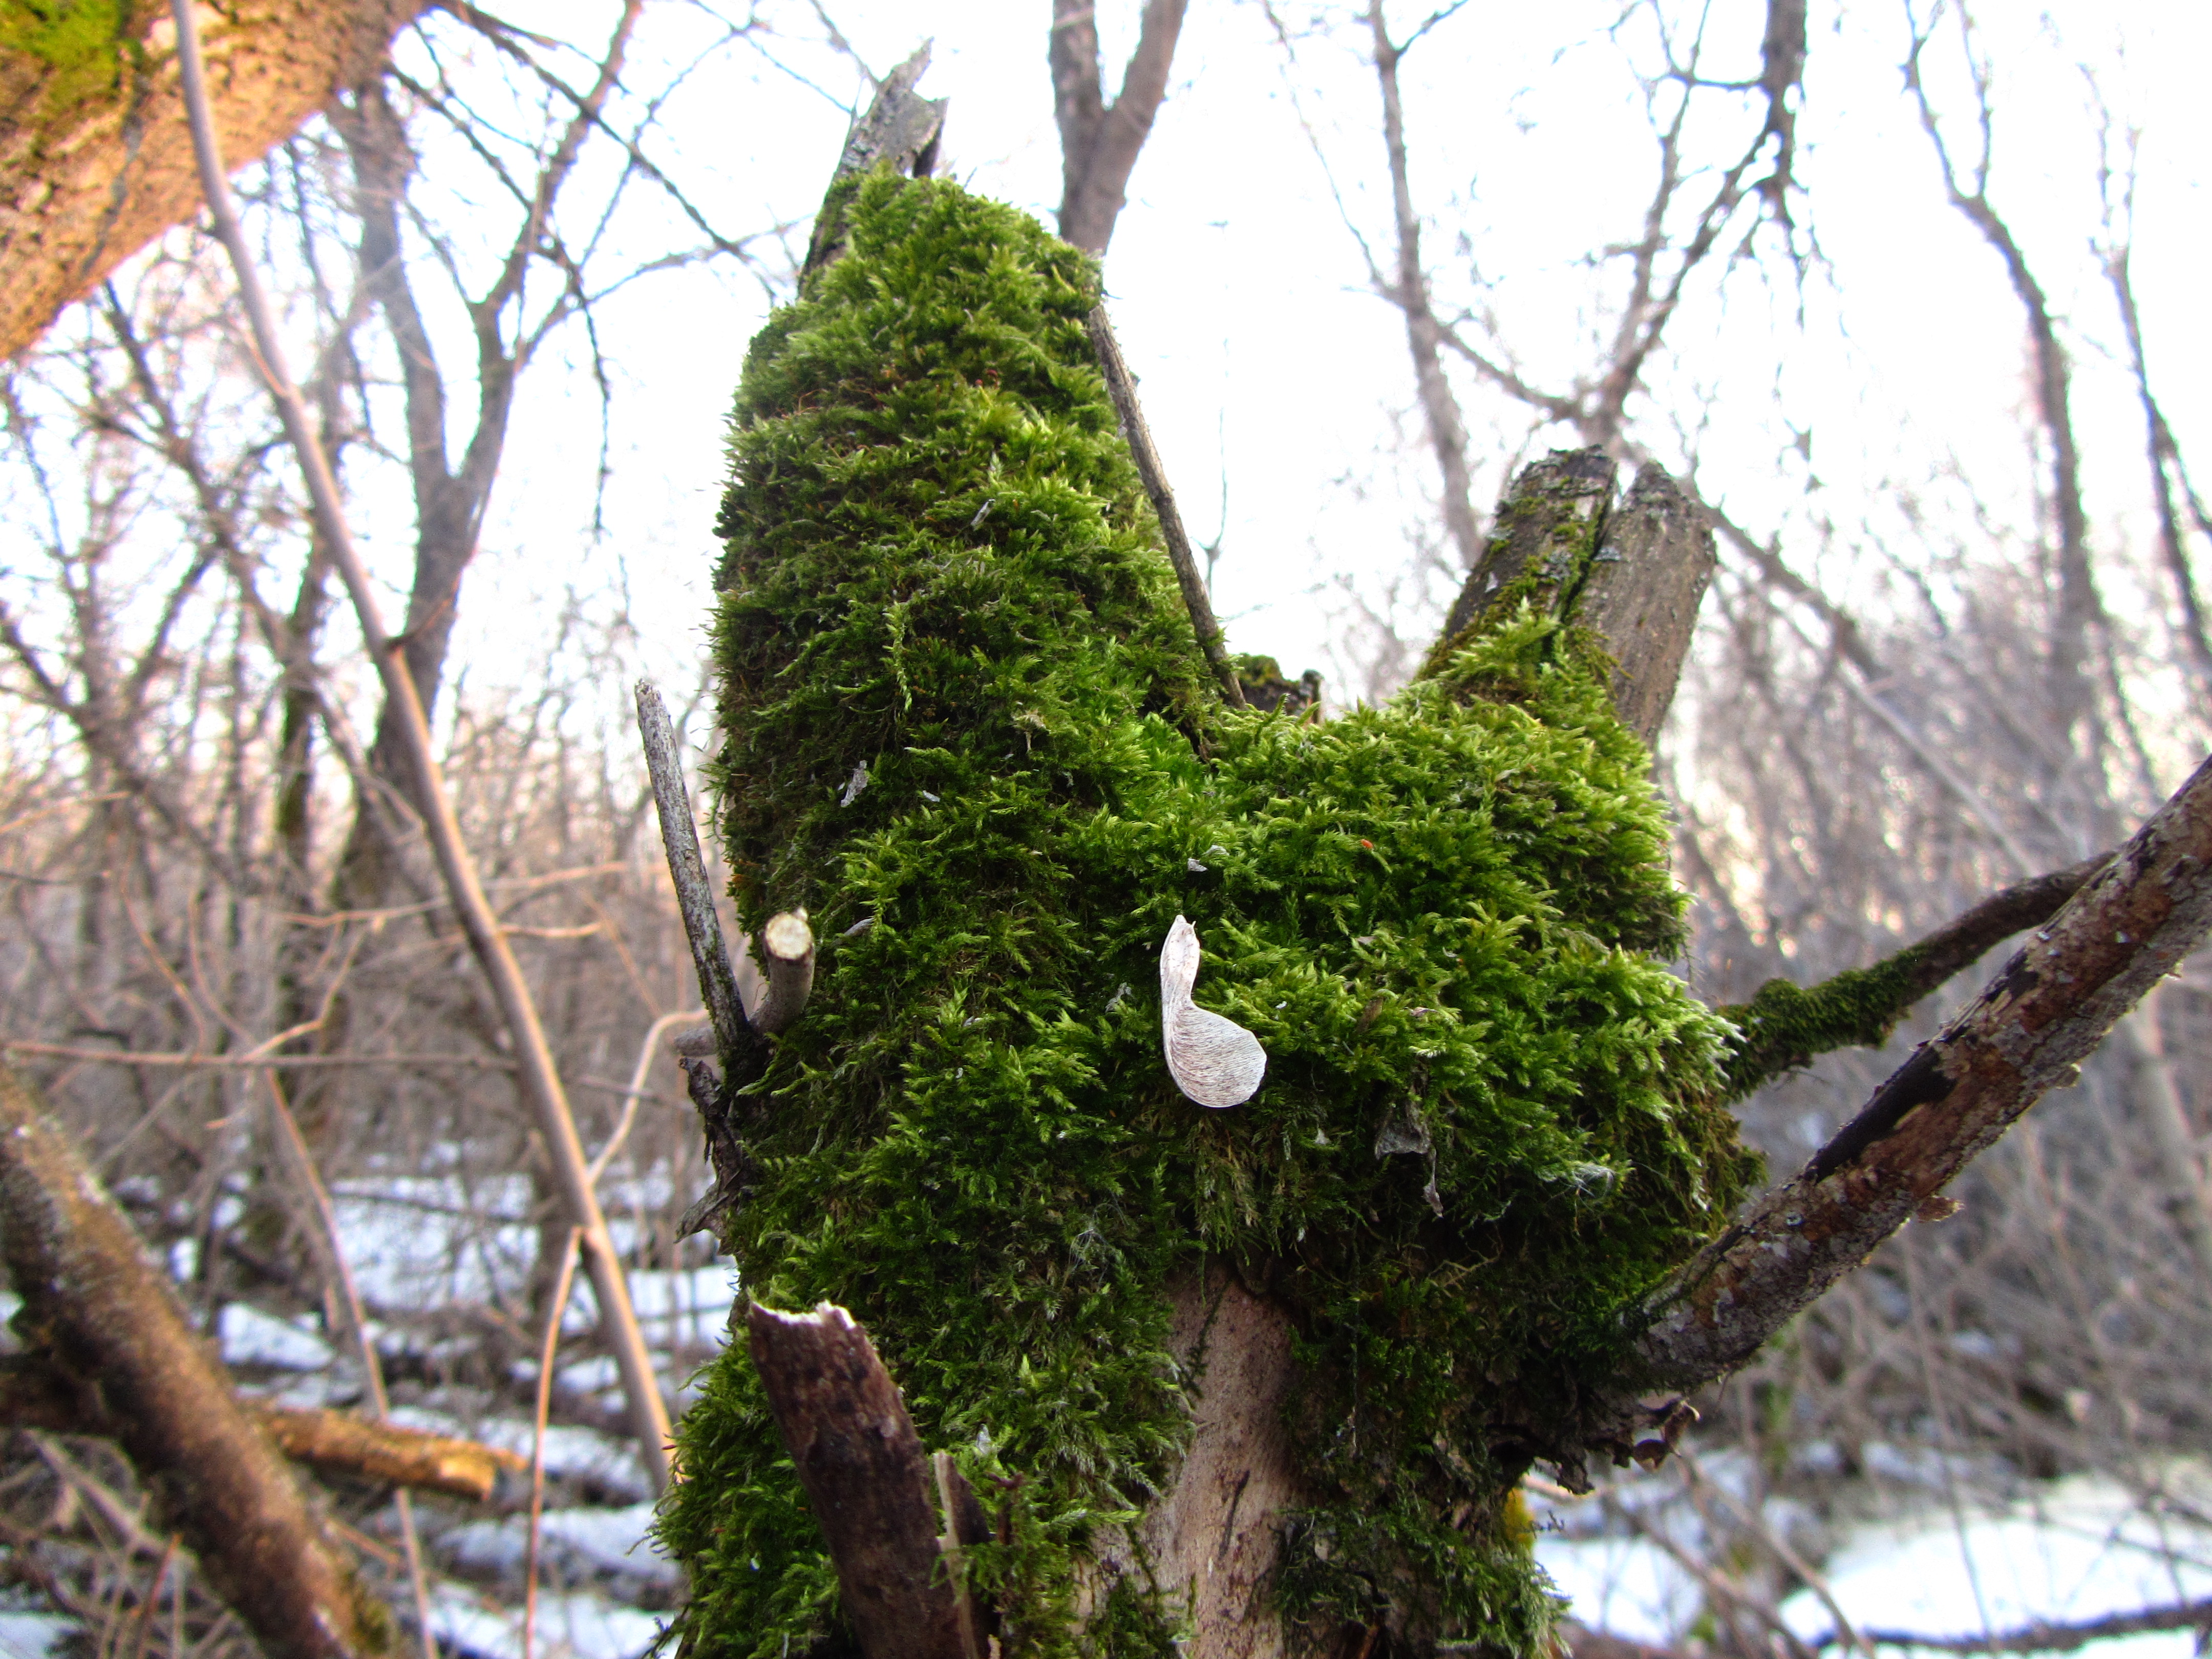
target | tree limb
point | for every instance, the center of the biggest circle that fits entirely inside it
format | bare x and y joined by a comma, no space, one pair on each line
2148,908
857,1455
540,1078
1784,1027
1122,387
1099,144
111,1326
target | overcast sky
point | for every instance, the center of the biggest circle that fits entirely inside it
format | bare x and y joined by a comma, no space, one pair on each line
1271,372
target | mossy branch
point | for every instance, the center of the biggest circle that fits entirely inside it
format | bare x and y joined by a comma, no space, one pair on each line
2127,927
1784,1026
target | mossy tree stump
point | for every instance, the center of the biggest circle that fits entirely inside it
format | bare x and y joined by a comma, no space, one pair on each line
1312,1341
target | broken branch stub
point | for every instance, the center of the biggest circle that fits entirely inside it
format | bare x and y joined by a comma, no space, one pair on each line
1654,559
861,1464
1555,509
786,945
1215,1060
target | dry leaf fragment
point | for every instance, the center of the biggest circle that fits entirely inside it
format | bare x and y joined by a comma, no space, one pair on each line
1215,1061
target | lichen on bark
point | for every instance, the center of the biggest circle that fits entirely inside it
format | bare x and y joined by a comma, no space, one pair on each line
962,704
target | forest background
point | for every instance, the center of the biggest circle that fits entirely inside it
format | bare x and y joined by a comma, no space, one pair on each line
1921,339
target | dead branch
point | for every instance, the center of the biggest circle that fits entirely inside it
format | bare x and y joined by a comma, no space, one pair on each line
900,130
1783,1027
1099,143
1409,291
1123,390
2080,608
540,1078
2041,1637
99,1315
1556,507
338,1443
2045,1011
687,868
848,1433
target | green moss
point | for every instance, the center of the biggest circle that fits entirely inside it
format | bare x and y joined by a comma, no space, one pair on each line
86,49
963,704
1783,1026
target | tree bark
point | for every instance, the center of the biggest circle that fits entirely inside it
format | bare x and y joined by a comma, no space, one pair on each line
109,1325
94,159
2051,1005
1099,143
33,1395
863,1469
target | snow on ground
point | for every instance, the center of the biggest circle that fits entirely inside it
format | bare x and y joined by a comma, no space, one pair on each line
25,1635
2063,1551
2074,1550
571,1625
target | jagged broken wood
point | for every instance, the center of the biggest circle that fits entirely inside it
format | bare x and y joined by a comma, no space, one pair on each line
1122,388
849,1437
108,1327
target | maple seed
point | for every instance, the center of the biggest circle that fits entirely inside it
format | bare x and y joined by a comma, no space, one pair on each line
1215,1060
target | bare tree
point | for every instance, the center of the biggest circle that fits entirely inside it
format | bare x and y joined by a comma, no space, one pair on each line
1099,143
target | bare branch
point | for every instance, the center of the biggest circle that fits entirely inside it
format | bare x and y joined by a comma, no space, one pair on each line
111,1325
541,1079
854,1447
1099,144
679,835
2051,1005
1123,389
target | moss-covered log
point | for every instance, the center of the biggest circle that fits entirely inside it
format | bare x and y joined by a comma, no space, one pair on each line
94,157
963,707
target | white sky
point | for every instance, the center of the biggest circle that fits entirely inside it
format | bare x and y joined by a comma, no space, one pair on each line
1241,296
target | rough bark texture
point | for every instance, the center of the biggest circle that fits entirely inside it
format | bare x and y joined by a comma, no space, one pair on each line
2051,1005
863,1469
100,1315
95,158
1642,593
1211,1540
1555,508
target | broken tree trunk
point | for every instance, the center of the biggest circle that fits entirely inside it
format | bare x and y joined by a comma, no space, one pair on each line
107,1323
1634,573
95,158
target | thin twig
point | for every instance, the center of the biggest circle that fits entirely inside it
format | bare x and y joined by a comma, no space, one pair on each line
718,984
1123,390
541,1080
371,1363
635,1092
545,1354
